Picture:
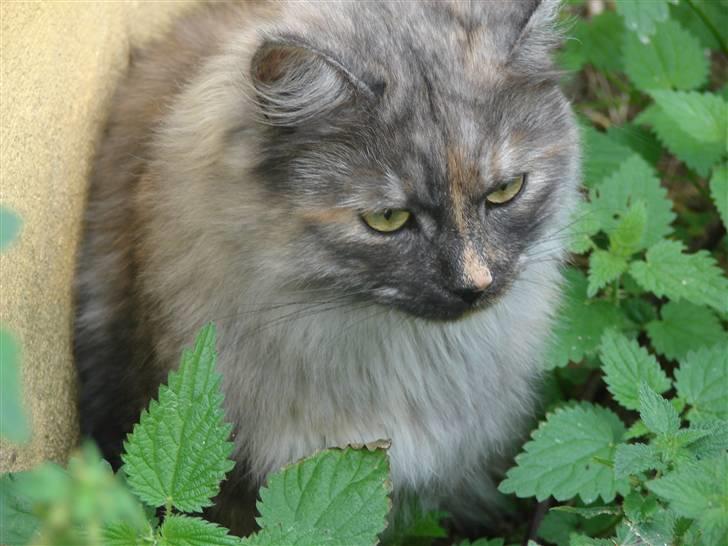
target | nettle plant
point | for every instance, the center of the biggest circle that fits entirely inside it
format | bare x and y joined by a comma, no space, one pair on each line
174,461
633,448
645,309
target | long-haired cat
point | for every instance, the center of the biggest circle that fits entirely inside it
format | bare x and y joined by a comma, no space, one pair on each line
366,197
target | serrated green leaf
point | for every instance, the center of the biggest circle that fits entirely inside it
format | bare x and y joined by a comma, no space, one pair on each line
583,540
633,182
699,156
638,139
583,226
637,430
18,522
178,453
657,413
699,491
695,14
641,17
592,42
635,458
627,238
483,542
187,531
702,381
604,267
602,155
338,496
668,271
715,441
588,512
719,191
559,460
626,365
671,59
580,323
9,226
56,507
684,327
123,534
14,424
703,116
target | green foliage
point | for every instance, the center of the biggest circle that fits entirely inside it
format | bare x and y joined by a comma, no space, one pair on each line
176,458
672,59
641,16
625,365
13,420
163,460
560,460
338,497
643,334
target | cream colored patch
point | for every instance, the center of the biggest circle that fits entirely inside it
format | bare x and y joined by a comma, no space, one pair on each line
475,268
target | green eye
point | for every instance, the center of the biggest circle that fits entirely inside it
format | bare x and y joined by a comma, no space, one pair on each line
507,191
387,220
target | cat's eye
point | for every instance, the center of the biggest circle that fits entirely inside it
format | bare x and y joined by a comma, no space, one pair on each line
387,220
506,191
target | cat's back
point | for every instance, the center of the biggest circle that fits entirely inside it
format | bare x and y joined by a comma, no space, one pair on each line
107,322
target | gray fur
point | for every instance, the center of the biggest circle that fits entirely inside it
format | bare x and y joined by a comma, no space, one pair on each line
240,154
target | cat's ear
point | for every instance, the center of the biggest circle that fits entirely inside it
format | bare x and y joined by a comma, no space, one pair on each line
296,84
539,36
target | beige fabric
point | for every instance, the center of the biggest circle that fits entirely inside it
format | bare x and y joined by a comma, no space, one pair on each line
59,64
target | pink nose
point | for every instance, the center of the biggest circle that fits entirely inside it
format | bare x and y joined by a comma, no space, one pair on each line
480,277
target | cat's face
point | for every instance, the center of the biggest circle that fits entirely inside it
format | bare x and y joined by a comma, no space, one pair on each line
422,185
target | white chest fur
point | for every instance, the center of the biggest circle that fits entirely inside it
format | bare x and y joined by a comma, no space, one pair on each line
448,395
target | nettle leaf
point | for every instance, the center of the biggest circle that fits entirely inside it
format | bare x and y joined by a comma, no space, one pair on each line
591,42
580,324
635,458
684,327
559,460
641,17
602,155
700,115
634,181
178,453
657,413
698,491
695,20
18,521
628,236
699,156
719,191
123,534
715,441
14,424
180,530
581,229
639,140
626,365
701,381
339,496
673,58
668,271
604,267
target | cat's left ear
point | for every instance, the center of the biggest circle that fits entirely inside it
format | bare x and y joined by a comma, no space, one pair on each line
296,83
539,37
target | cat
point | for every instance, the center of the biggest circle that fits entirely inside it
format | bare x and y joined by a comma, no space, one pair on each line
368,199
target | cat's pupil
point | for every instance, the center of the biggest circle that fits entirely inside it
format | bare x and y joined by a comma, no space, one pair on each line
387,214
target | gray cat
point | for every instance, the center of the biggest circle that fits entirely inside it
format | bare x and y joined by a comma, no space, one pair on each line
369,199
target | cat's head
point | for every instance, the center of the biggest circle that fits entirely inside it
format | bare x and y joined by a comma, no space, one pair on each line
421,149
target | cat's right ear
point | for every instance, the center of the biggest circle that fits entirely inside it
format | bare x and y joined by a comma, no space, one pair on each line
296,84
